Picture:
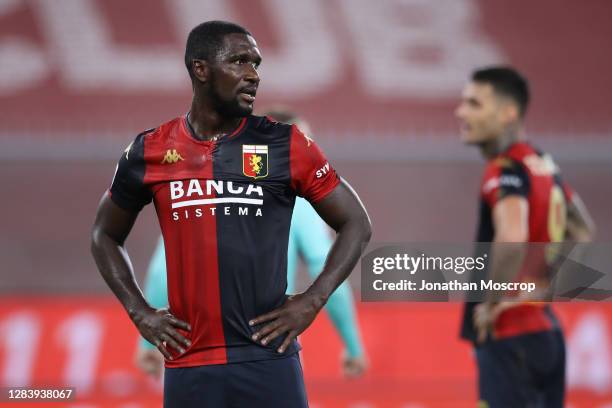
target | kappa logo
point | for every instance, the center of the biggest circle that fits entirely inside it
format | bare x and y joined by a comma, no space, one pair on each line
172,156
255,161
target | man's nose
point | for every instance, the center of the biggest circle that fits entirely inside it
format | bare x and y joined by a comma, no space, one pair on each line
252,75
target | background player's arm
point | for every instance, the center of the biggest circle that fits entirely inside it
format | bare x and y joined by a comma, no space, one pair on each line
155,286
343,211
312,238
110,230
580,226
148,358
511,219
511,225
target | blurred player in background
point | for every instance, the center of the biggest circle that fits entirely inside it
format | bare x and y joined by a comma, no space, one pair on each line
308,239
224,184
519,347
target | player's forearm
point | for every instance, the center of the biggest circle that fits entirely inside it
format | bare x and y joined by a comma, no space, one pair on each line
350,242
505,263
580,226
116,270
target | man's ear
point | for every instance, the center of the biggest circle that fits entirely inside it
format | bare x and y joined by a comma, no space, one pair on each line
200,69
510,112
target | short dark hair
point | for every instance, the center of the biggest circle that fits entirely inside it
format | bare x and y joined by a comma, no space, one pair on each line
205,40
506,81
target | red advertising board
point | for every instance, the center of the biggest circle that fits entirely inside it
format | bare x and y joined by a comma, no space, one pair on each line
416,359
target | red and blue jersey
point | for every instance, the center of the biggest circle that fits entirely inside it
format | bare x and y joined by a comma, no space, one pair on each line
523,171
224,207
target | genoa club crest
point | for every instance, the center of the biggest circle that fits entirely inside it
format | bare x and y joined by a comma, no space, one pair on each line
255,161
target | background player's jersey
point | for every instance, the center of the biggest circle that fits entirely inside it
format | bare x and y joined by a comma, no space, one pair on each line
224,208
526,172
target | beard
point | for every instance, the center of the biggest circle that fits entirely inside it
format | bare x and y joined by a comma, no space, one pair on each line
230,108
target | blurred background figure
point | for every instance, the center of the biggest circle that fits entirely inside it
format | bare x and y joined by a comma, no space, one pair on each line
522,199
78,79
308,239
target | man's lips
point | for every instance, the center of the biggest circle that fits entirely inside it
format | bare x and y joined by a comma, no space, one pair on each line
247,97
248,93
464,127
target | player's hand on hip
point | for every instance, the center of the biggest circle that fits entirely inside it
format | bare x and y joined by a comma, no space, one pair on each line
485,316
483,321
150,361
159,327
292,318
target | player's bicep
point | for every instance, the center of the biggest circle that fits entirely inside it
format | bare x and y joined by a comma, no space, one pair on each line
511,219
113,221
340,206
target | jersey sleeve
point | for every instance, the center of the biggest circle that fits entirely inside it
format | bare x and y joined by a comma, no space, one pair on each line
312,176
504,178
127,189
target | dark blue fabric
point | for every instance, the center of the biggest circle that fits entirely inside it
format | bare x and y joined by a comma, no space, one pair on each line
253,384
252,250
525,371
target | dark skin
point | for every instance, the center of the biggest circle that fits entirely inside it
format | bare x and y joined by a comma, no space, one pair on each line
224,89
224,92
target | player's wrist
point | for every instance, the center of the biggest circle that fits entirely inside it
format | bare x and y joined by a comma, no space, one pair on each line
137,312
317,299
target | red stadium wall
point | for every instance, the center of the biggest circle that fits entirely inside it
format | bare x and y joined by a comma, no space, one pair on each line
415,357
92,68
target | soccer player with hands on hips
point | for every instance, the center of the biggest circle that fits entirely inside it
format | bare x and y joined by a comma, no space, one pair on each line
224,183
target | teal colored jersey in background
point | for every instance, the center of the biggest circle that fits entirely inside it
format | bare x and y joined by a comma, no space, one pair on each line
309,239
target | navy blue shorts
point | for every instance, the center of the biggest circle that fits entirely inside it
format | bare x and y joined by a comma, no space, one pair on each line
265,383
525,371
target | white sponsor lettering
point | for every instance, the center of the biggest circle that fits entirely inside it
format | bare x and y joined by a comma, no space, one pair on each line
510,180
213,184
323,170
196,193
176,190
217,186
194,188
222,200
254,189
506,180
188,213
232,190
